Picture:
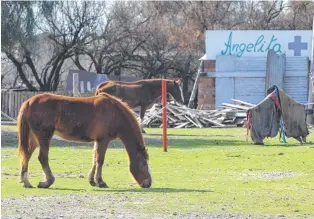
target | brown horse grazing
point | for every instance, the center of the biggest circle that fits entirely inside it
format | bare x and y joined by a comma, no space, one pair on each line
141,93
99,118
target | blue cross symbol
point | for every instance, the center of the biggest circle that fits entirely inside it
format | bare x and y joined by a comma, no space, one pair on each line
297,46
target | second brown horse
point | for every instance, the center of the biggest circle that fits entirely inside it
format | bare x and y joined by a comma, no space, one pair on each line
141,93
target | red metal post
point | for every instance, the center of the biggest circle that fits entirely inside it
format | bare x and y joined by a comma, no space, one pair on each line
164,114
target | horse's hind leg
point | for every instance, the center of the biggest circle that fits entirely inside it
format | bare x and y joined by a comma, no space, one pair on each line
100,150
24,172
44,141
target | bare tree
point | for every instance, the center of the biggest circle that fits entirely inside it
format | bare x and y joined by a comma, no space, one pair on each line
299,16
114,45
40,42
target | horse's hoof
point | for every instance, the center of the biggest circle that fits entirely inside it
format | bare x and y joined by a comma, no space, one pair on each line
92,183
28,186
103,185
44,185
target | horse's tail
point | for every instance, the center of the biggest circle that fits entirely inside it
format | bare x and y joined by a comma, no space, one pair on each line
23,131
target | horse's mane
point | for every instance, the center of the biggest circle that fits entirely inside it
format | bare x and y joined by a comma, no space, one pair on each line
129,115
153,80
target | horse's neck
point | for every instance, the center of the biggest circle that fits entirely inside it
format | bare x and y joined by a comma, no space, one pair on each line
131,139
156,89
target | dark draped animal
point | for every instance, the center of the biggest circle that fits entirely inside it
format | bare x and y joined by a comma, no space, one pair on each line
265,117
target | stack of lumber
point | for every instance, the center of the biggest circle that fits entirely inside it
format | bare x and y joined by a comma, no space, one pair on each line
180,116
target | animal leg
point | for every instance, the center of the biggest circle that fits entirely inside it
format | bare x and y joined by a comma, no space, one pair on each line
43,159
100,150
298,139
143,110
24,171
93,169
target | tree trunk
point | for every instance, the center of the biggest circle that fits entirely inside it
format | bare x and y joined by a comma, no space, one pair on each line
185,88
21,73
193,94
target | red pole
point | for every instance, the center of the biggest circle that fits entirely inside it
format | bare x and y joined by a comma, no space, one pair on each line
164,114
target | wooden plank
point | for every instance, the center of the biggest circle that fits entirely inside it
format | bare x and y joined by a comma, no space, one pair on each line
191,120
235,106
18,104
2,99
182,125
225,126
239,114
171,118
8,117
10,103
243,102
21,101
176,113
198,122
2,94
213,122
7,104
8,123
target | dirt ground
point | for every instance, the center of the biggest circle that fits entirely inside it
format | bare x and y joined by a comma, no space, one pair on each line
86,206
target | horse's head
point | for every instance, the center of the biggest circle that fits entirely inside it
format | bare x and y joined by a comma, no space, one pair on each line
109,88
176,91
139,168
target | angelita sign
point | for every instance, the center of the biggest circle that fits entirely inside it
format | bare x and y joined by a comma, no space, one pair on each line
261,44
257,43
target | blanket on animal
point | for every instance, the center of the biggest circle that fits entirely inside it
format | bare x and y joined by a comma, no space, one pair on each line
277,110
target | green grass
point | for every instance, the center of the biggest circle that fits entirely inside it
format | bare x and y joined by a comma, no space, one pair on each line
204,170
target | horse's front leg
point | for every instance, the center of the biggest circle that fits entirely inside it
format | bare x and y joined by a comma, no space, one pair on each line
100,150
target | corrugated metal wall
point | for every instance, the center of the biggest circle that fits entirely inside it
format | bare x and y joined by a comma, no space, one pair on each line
296,78
225,88
251,90
244,78
275,70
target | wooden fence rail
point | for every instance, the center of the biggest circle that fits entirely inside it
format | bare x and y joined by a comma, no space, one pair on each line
12,101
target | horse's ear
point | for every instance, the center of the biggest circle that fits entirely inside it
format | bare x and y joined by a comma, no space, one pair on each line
177,82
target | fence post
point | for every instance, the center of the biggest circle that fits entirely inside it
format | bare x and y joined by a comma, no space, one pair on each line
75,84
164,114
10,103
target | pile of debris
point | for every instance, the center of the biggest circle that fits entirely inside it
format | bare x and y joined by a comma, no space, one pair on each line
180,116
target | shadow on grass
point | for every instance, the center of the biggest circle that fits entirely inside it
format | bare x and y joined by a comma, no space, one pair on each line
192,142
185,135
9,140
287,145
68,189
155,190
